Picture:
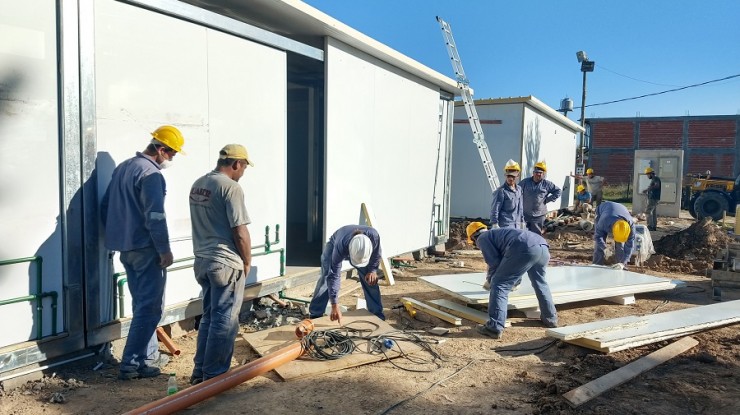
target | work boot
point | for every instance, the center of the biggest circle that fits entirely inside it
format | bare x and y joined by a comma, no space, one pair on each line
548,324
484,330
142,372
194,380
160,362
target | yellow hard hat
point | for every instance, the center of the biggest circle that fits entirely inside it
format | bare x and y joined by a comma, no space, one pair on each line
649,170
541,165
170,136
589,170
512,166
580,188
471,229
621,231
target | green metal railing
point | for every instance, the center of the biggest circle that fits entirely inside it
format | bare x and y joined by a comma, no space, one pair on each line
267,251
38,297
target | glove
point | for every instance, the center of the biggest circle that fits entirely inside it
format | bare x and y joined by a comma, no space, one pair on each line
487,285
619,266
494,226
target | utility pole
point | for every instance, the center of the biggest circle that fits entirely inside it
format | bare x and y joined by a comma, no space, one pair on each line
586,66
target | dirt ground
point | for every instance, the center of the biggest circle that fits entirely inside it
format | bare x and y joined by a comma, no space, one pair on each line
524,373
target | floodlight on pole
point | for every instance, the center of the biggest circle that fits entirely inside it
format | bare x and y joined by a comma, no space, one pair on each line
586,66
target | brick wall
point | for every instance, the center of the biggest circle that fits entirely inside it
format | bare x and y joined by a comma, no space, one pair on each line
660,134
613,135
719,164
712,134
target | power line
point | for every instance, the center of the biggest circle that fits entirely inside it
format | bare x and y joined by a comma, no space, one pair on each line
662,92
634,79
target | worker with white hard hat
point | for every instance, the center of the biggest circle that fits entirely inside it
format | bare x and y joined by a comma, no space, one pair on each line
506,206
613,218
360,245
510,253
537,192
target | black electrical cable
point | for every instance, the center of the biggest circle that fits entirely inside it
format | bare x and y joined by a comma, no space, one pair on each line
332,344
536,350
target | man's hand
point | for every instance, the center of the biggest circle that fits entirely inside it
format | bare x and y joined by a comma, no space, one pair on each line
494,226
371,278
247,268
166,259
336,314
618,266
487,285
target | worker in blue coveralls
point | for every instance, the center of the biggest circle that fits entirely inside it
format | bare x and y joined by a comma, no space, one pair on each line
537,192
613,218
361,246
132,212
509,253
506,206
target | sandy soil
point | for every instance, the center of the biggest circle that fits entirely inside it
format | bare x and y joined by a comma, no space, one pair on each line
525,372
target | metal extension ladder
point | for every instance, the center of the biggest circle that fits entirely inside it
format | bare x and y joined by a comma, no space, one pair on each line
467,97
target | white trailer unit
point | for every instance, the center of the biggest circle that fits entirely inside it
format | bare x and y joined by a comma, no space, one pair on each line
82,84
522,129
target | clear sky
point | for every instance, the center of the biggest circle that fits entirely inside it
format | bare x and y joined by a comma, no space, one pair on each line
528,47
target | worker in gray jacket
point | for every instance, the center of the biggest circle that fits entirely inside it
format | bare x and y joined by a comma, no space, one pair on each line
537,192
613,218
509,253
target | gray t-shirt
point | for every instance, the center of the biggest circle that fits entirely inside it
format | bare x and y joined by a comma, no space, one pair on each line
594,184
217,206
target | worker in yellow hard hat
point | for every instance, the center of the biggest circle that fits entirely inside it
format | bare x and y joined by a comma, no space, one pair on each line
509,254
653,194
583,201
594,184
614,219
135,224
537,192
506,206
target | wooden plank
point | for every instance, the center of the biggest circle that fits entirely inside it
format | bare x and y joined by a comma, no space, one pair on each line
463,311
590,390
266,341
418,305
460,310
385,265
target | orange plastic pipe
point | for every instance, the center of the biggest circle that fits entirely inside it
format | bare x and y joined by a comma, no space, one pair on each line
168,343
226,381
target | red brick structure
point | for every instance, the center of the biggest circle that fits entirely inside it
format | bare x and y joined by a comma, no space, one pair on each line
708,142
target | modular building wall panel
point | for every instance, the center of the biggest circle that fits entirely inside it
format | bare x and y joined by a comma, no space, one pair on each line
377,151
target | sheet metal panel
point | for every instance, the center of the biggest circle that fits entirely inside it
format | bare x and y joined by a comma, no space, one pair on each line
29,164
567,284
381,147
152,69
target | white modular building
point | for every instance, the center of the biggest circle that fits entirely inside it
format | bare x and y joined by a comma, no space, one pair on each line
316,103
522,129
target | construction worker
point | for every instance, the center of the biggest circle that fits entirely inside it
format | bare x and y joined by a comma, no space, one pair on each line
361,246
613,218
135,224
509,253
537,192
594,185
223,257
583,202
653,194
506,207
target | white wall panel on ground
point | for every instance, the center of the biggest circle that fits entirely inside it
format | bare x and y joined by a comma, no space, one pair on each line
152,69
381,149
29,165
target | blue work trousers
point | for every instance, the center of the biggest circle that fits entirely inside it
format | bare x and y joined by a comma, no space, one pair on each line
320,297
512,267
223,293
535,224
146,281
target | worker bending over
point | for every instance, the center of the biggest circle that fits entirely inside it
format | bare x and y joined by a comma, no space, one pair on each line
583,202
613,218
361,246
509,253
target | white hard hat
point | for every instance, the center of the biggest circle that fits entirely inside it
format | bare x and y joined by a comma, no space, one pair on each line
360,249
